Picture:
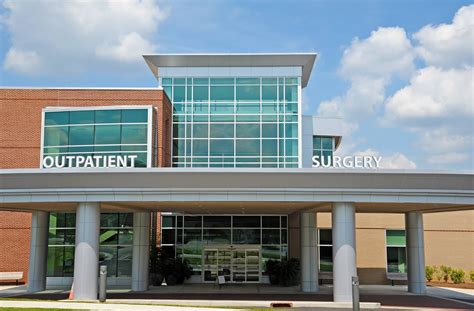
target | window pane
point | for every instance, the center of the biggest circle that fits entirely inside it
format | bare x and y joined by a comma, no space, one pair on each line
248,81
316,142
134,115
167,221
269,92
325,258
249,93
56,118
269,130
248,147
271,236
325,236
200,147
248,130
108,237
222,131
107,134
108,257
396,259
56,136
222,93
81,135
222,147
201,81
291,93
217,236
253,108
178,147
125,237
108,220
134,134
192,236
269,147
246,221
222,81
271,221
217,221
178,94
124,264
327,142
68,261
200,130
192,221
55,261
81,117
246,236
201,93
168,236
291,130
223,108
108,116
125,220
396,238
291,147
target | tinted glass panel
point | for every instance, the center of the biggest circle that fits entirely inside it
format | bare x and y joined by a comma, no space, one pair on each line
108,116
222,147
81,135
217,221
217,236
56,136
222,131
56,118
248,130
271,221
248,147
246,221
222,93
109,220
168,236
134,115
271,236
134,134
200,130
192,221
325,236
168,221
325,258
126,220
107,134
246,236
81,117
396,238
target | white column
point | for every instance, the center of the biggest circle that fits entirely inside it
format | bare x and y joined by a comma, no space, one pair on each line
309,253
38,251
415,252
343,249
141,251
86,258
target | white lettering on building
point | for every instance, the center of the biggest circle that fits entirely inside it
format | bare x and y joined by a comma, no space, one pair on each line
89,161
347,161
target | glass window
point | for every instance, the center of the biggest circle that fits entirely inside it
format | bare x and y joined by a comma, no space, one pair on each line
56,118
217,221
108,236
246,221
248,93
396,251
222,130
217,236
168,236
325,249
248,130
192,236
396,237
134,115
271,221
81,117
81,135
107,134
269,131
200,147
222,93
109,220
134,134
246,236
178,147
218,81
56,136
247,147
168,221
200,93
222,108
200,130
327,143
248,81
269,147
126,220
179,94
108,116
192,221
222,147
291,93
270,236
269,93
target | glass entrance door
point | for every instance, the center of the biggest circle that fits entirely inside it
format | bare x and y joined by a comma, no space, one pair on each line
237,264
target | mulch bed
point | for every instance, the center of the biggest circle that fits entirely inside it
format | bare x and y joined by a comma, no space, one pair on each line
443,284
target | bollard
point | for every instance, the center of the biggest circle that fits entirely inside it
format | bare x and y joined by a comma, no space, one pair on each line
355,294
102,283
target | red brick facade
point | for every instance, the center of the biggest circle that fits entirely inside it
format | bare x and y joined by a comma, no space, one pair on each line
20,143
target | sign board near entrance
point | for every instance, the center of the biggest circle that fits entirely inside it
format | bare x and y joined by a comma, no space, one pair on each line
92,161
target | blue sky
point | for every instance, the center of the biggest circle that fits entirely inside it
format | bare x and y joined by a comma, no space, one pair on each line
371,53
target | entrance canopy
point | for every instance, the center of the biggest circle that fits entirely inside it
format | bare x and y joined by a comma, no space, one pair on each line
236,190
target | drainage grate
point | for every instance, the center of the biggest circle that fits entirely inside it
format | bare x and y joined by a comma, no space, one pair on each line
281,305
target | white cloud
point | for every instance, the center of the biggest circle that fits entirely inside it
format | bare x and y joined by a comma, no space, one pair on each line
393,161
75,36
433,93
369,65
385,53
448,45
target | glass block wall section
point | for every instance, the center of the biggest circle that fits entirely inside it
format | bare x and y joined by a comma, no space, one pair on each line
97,132
234,122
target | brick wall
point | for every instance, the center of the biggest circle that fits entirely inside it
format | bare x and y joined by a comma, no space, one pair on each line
20,141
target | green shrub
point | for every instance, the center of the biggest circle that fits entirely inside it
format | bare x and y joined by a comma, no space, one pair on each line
438,274
458,276
429,272
446,272
471,275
